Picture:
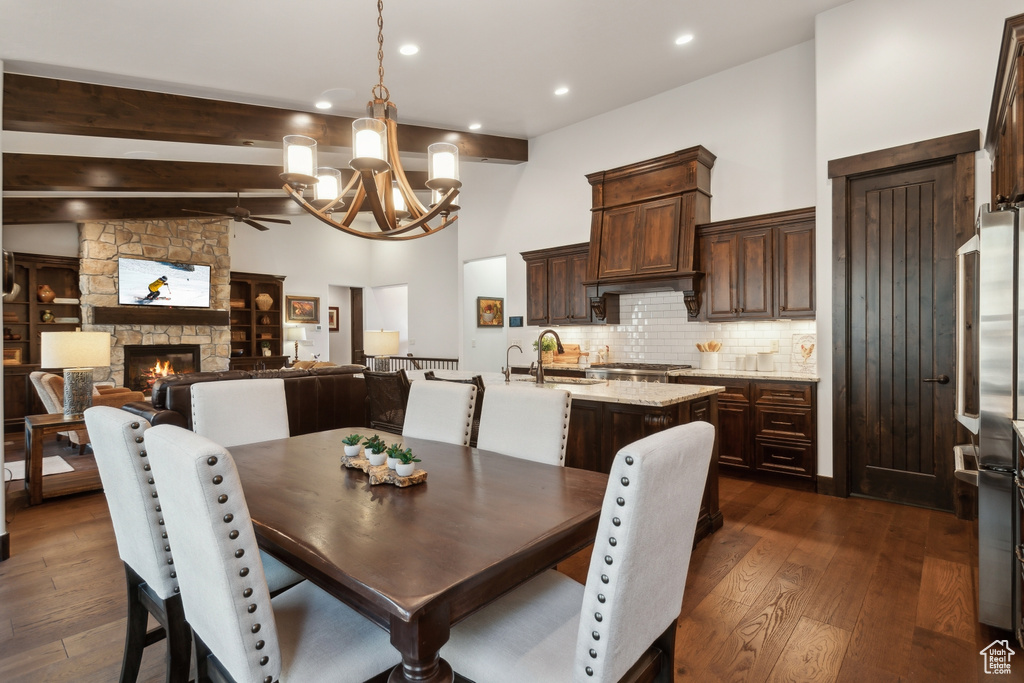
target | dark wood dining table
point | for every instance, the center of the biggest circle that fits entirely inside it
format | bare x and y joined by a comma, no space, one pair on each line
419,559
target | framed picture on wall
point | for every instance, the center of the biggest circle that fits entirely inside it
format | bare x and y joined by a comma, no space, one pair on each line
490,312
332,319
302,309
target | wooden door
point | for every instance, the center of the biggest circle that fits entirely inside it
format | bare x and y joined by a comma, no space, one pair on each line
657,249
755,273
718,259
579,302
537,292
558,297
618,241
794,255
901,334
355,298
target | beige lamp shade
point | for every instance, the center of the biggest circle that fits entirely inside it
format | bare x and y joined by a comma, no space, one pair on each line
295,334
380,342
74,349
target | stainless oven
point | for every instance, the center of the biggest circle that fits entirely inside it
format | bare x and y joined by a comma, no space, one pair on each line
634,372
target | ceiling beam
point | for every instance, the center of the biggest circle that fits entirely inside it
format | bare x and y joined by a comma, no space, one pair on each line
46,105
29,210
53,173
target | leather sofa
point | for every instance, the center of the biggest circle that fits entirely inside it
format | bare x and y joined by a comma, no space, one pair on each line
318,399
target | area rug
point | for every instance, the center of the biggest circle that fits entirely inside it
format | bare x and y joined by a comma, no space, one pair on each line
53,464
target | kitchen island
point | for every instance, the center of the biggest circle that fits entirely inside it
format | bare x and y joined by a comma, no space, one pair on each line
608,414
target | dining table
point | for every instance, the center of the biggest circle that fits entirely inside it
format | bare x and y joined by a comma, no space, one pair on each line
416,560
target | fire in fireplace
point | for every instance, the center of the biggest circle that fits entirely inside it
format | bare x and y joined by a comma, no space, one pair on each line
145,364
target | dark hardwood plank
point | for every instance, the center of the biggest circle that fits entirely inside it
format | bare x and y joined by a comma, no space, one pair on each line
937,657
46,105
708,624
946,604
29,210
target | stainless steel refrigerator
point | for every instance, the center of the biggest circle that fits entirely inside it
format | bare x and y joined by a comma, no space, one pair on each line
1000,309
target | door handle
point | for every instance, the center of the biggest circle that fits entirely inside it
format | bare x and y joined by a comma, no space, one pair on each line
941,379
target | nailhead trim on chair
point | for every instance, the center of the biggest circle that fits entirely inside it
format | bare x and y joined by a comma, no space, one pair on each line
239,553
609,560
142,454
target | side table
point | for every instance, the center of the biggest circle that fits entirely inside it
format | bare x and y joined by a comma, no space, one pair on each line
36,428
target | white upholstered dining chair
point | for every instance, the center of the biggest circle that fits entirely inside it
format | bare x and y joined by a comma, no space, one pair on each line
526,422
118,439
440,411
237,411
302,635
553,630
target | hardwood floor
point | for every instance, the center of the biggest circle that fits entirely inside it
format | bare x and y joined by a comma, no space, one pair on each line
794,587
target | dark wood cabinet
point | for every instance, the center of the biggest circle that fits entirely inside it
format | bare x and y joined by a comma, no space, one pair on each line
598,430
255,324
555,293
23,318
767,429
759,268
1004,139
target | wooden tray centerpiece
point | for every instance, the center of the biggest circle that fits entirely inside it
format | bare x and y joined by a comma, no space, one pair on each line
383,474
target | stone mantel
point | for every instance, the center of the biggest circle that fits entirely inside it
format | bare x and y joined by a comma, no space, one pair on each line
185,241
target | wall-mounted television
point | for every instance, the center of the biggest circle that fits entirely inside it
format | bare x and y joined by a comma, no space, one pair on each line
162,283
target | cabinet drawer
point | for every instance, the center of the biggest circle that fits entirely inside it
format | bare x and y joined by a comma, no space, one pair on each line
788,458
783,393
736,391
790,423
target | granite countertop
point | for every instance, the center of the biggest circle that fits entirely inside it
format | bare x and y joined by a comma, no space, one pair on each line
744,374
656,394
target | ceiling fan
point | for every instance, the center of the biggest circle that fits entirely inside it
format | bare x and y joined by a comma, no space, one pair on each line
241,215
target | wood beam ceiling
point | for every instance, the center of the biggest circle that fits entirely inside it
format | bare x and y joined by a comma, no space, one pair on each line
46,105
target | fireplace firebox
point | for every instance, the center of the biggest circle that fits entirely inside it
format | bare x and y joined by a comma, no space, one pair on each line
146,363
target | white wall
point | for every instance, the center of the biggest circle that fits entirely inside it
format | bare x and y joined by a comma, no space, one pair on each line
340,342
55,239
430,268
483,348
758,119
387,308
891,73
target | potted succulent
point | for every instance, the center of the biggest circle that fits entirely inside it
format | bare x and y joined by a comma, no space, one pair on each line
352,445
548,346
375,450
403,457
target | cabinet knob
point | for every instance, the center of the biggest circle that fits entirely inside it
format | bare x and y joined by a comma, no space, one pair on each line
782,308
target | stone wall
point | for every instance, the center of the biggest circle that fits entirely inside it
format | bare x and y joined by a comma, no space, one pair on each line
185,241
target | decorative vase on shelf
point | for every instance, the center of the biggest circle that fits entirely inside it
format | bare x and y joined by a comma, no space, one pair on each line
45,294
264,302
47,316
265,320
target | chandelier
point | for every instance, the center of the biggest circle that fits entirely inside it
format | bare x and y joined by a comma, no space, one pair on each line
379,181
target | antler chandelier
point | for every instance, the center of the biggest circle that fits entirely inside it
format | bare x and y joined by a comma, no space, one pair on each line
379,181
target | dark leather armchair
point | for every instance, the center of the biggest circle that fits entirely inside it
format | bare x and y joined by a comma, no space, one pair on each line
387,394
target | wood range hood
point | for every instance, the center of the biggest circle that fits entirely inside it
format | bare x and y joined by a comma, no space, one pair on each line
643,228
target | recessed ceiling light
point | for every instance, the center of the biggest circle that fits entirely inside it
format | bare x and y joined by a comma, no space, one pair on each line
684,39
323,104
562,90
409,49
474,126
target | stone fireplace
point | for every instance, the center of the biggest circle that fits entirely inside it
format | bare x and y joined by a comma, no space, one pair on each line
144,364
185,241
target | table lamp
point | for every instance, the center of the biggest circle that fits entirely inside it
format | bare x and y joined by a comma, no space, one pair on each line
382,344
78,353
295,334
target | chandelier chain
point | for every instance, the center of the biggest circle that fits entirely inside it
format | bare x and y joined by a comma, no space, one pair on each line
380,91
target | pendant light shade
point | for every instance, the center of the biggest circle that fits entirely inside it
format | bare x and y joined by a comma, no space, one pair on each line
299,160
443,166
369,145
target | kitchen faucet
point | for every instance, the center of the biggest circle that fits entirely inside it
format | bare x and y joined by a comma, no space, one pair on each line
507,370
540,350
